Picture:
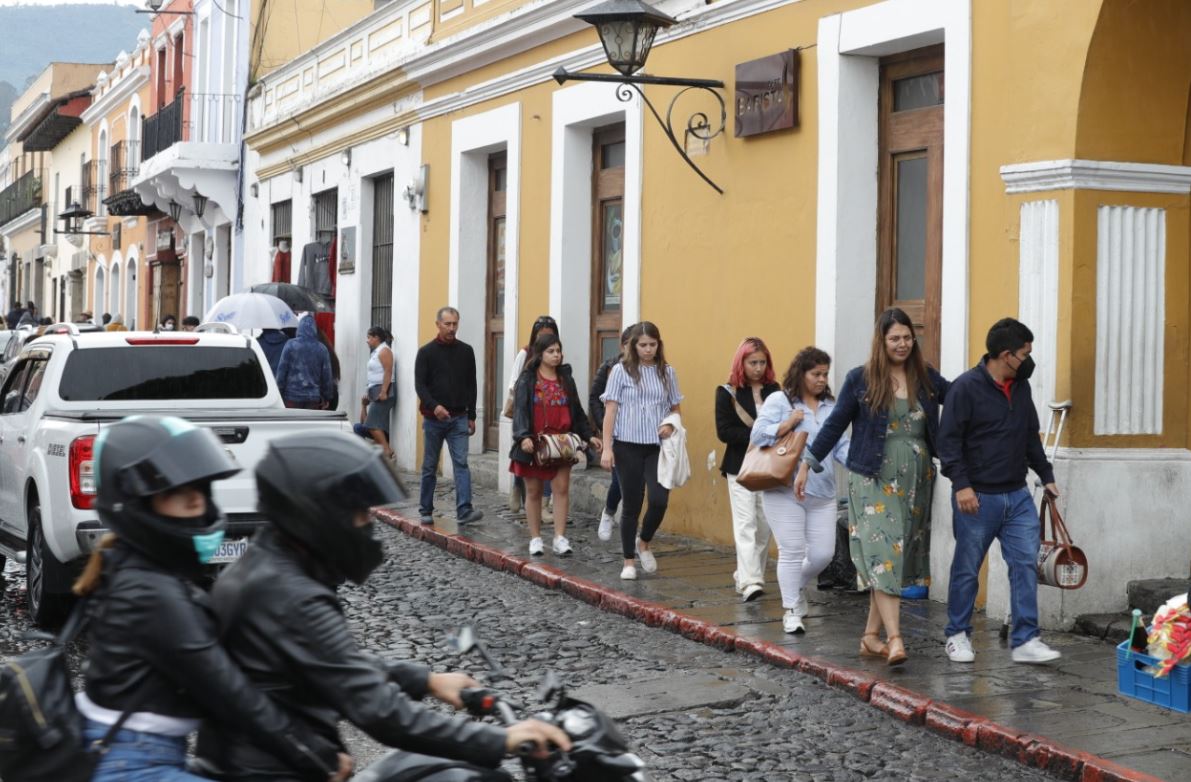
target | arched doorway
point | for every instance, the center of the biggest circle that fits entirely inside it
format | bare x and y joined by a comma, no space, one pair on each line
100,292
131,302
113,305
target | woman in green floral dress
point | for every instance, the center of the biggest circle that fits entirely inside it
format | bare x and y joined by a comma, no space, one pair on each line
892,404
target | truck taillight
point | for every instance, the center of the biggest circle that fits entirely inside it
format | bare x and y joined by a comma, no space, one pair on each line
82,472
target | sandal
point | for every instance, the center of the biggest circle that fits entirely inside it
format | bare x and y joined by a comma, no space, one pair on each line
896,654
872,648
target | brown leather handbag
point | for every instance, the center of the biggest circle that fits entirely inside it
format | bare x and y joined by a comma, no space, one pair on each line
1060,562
772,467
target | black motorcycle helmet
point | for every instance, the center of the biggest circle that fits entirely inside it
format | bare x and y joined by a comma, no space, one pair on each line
312,486
146,455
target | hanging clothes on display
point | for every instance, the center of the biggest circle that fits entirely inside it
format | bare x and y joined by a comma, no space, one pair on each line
281,263
317,269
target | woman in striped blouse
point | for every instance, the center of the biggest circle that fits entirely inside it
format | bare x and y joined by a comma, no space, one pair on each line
642,390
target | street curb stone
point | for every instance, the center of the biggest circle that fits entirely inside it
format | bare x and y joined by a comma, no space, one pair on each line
906,705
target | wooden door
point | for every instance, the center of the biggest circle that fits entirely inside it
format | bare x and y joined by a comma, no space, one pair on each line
910,214
495,379
607,271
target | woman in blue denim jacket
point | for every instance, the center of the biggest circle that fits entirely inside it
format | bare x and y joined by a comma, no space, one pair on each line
892,404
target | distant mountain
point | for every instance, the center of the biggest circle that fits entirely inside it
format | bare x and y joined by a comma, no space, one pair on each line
8,94
31,37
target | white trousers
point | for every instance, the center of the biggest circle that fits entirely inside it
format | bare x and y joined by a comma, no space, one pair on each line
805,533
751,533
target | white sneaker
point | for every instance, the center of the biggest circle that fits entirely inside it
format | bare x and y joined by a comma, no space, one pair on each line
792,623
1034,651
629,573
959,649
752,592
605,530
535,547
562,546
648,563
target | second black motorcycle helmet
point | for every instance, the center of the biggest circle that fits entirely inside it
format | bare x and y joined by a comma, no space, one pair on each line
312,487
141,456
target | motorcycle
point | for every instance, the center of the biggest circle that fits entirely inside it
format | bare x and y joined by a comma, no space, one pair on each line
599,753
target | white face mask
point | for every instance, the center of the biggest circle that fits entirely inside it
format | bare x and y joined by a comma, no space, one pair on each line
169,327
283,246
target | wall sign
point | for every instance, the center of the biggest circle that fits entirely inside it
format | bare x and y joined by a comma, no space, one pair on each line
767,94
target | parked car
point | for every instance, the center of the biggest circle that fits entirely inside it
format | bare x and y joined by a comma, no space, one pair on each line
66,386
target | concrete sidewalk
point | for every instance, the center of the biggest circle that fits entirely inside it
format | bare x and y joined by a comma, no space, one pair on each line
1065,716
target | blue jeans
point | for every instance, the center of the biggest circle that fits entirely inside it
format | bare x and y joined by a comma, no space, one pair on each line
454,431
135,757
1012,519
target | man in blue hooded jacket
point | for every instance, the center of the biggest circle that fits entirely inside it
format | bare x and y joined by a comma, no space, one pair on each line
304,372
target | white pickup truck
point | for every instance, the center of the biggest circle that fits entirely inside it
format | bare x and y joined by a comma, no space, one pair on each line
66,386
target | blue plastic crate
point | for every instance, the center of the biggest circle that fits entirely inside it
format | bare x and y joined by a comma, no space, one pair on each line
1173,691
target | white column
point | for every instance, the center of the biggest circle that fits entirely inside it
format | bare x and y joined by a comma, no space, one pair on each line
1038,292
1130,318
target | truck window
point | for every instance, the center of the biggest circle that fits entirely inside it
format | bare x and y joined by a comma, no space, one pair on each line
162,372
12,389
33,385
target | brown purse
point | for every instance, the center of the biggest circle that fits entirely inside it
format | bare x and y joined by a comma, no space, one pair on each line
1060,562
773,466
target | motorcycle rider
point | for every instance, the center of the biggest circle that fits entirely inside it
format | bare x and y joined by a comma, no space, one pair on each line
283,624
154,647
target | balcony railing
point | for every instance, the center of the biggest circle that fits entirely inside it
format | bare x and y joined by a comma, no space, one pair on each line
163,129
123,163
88,189
21,196
202,117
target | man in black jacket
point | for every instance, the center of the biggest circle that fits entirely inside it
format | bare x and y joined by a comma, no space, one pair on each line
283,624
445,380
988,436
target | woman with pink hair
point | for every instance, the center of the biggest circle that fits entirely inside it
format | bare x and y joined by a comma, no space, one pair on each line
750,381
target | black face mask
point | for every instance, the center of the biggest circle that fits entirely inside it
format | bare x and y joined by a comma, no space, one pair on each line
365,553
1025,368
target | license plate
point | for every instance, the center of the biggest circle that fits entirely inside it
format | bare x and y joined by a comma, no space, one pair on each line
229,551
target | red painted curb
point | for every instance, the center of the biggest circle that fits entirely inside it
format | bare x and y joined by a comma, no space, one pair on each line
953,723
906,705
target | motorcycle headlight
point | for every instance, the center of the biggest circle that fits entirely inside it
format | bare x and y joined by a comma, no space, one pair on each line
577,723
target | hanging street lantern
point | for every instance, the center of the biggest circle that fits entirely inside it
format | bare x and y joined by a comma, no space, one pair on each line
627,29
200,205
175,211
72,221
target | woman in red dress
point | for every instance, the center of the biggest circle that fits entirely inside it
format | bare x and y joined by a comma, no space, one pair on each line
546,401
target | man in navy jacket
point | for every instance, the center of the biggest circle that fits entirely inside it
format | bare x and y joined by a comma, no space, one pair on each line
988,437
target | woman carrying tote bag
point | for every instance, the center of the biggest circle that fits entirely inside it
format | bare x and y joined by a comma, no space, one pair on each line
546,402
803,526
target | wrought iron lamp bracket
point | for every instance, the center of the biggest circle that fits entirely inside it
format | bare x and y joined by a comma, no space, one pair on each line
698,124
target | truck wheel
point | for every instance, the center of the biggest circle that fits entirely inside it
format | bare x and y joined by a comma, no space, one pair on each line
46,609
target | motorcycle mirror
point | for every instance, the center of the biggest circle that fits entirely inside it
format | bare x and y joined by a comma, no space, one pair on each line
550,687
462,640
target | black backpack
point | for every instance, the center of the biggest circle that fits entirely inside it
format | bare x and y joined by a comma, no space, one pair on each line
41,729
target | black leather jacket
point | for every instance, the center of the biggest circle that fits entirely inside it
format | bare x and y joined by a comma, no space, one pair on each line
154,647
283,625
523,411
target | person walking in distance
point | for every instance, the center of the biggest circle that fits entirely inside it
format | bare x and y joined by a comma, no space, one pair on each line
596,407
642,392
445,380
304,375
382,395
803,523
543,325
987,439
545,402
892,404
750,380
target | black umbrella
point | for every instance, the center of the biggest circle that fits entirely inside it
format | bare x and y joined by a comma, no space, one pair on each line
298,298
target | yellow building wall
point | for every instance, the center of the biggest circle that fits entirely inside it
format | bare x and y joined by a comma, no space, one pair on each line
285,29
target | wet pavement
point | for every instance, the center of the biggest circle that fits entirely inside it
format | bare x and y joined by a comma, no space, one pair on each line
1073,701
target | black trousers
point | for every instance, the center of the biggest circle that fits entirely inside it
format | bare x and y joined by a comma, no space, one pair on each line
637,472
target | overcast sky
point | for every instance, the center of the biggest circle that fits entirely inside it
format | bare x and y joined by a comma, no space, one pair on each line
4,3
